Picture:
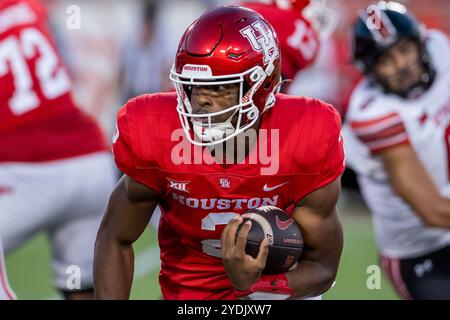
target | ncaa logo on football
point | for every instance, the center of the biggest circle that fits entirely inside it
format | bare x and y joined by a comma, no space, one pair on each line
177,185
262,40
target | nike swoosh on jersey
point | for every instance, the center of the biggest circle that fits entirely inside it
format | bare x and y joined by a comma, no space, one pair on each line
267,188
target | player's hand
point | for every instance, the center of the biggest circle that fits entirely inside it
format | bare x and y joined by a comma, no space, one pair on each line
242,269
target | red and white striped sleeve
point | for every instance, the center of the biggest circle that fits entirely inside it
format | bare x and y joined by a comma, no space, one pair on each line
381,133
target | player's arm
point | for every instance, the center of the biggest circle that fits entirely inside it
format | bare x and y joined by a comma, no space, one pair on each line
410,180
316,271
319,222
129,210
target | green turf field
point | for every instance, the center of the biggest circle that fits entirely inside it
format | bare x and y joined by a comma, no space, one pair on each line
30,275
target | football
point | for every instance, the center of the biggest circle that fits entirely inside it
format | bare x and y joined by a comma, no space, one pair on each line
284,235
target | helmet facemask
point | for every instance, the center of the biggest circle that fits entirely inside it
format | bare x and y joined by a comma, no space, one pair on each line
246,112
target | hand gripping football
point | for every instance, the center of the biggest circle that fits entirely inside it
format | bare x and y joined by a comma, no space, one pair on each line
283,233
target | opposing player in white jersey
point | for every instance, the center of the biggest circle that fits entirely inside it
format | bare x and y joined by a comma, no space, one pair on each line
398,141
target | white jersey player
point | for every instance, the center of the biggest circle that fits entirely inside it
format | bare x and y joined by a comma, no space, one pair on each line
398,141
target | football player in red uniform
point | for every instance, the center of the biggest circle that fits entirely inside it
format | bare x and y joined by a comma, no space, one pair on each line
299,42
226,74
55,169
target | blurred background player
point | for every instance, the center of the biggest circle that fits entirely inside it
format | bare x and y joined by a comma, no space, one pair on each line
55,169
398,129
6,292
299,41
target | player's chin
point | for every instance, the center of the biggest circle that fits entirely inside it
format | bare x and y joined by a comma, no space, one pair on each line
404,88
405,79
402,84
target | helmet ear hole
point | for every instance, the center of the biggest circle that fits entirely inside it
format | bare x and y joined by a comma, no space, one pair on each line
256,75
252,114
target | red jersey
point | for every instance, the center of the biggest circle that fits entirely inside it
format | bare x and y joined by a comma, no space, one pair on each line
199,197
39,120
299,42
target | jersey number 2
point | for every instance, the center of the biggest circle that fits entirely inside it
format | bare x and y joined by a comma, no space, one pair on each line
53,79
212,246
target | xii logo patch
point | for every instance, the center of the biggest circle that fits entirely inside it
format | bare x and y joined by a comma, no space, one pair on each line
262,40
178,185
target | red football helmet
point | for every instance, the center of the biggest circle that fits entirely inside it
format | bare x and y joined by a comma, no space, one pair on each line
227,45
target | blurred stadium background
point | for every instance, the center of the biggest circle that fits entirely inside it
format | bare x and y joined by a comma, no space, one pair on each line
125,48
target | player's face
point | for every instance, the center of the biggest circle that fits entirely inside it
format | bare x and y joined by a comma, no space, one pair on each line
400,67
209,99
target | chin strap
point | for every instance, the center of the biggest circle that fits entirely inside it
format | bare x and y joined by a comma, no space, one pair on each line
271,98
277,284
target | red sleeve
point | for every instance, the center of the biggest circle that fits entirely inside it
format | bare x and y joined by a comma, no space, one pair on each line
334,161
127,147
122,151
381,133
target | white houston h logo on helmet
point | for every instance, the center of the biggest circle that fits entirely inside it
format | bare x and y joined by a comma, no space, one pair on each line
263,42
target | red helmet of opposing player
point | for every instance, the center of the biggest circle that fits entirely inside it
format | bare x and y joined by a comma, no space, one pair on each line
227,45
